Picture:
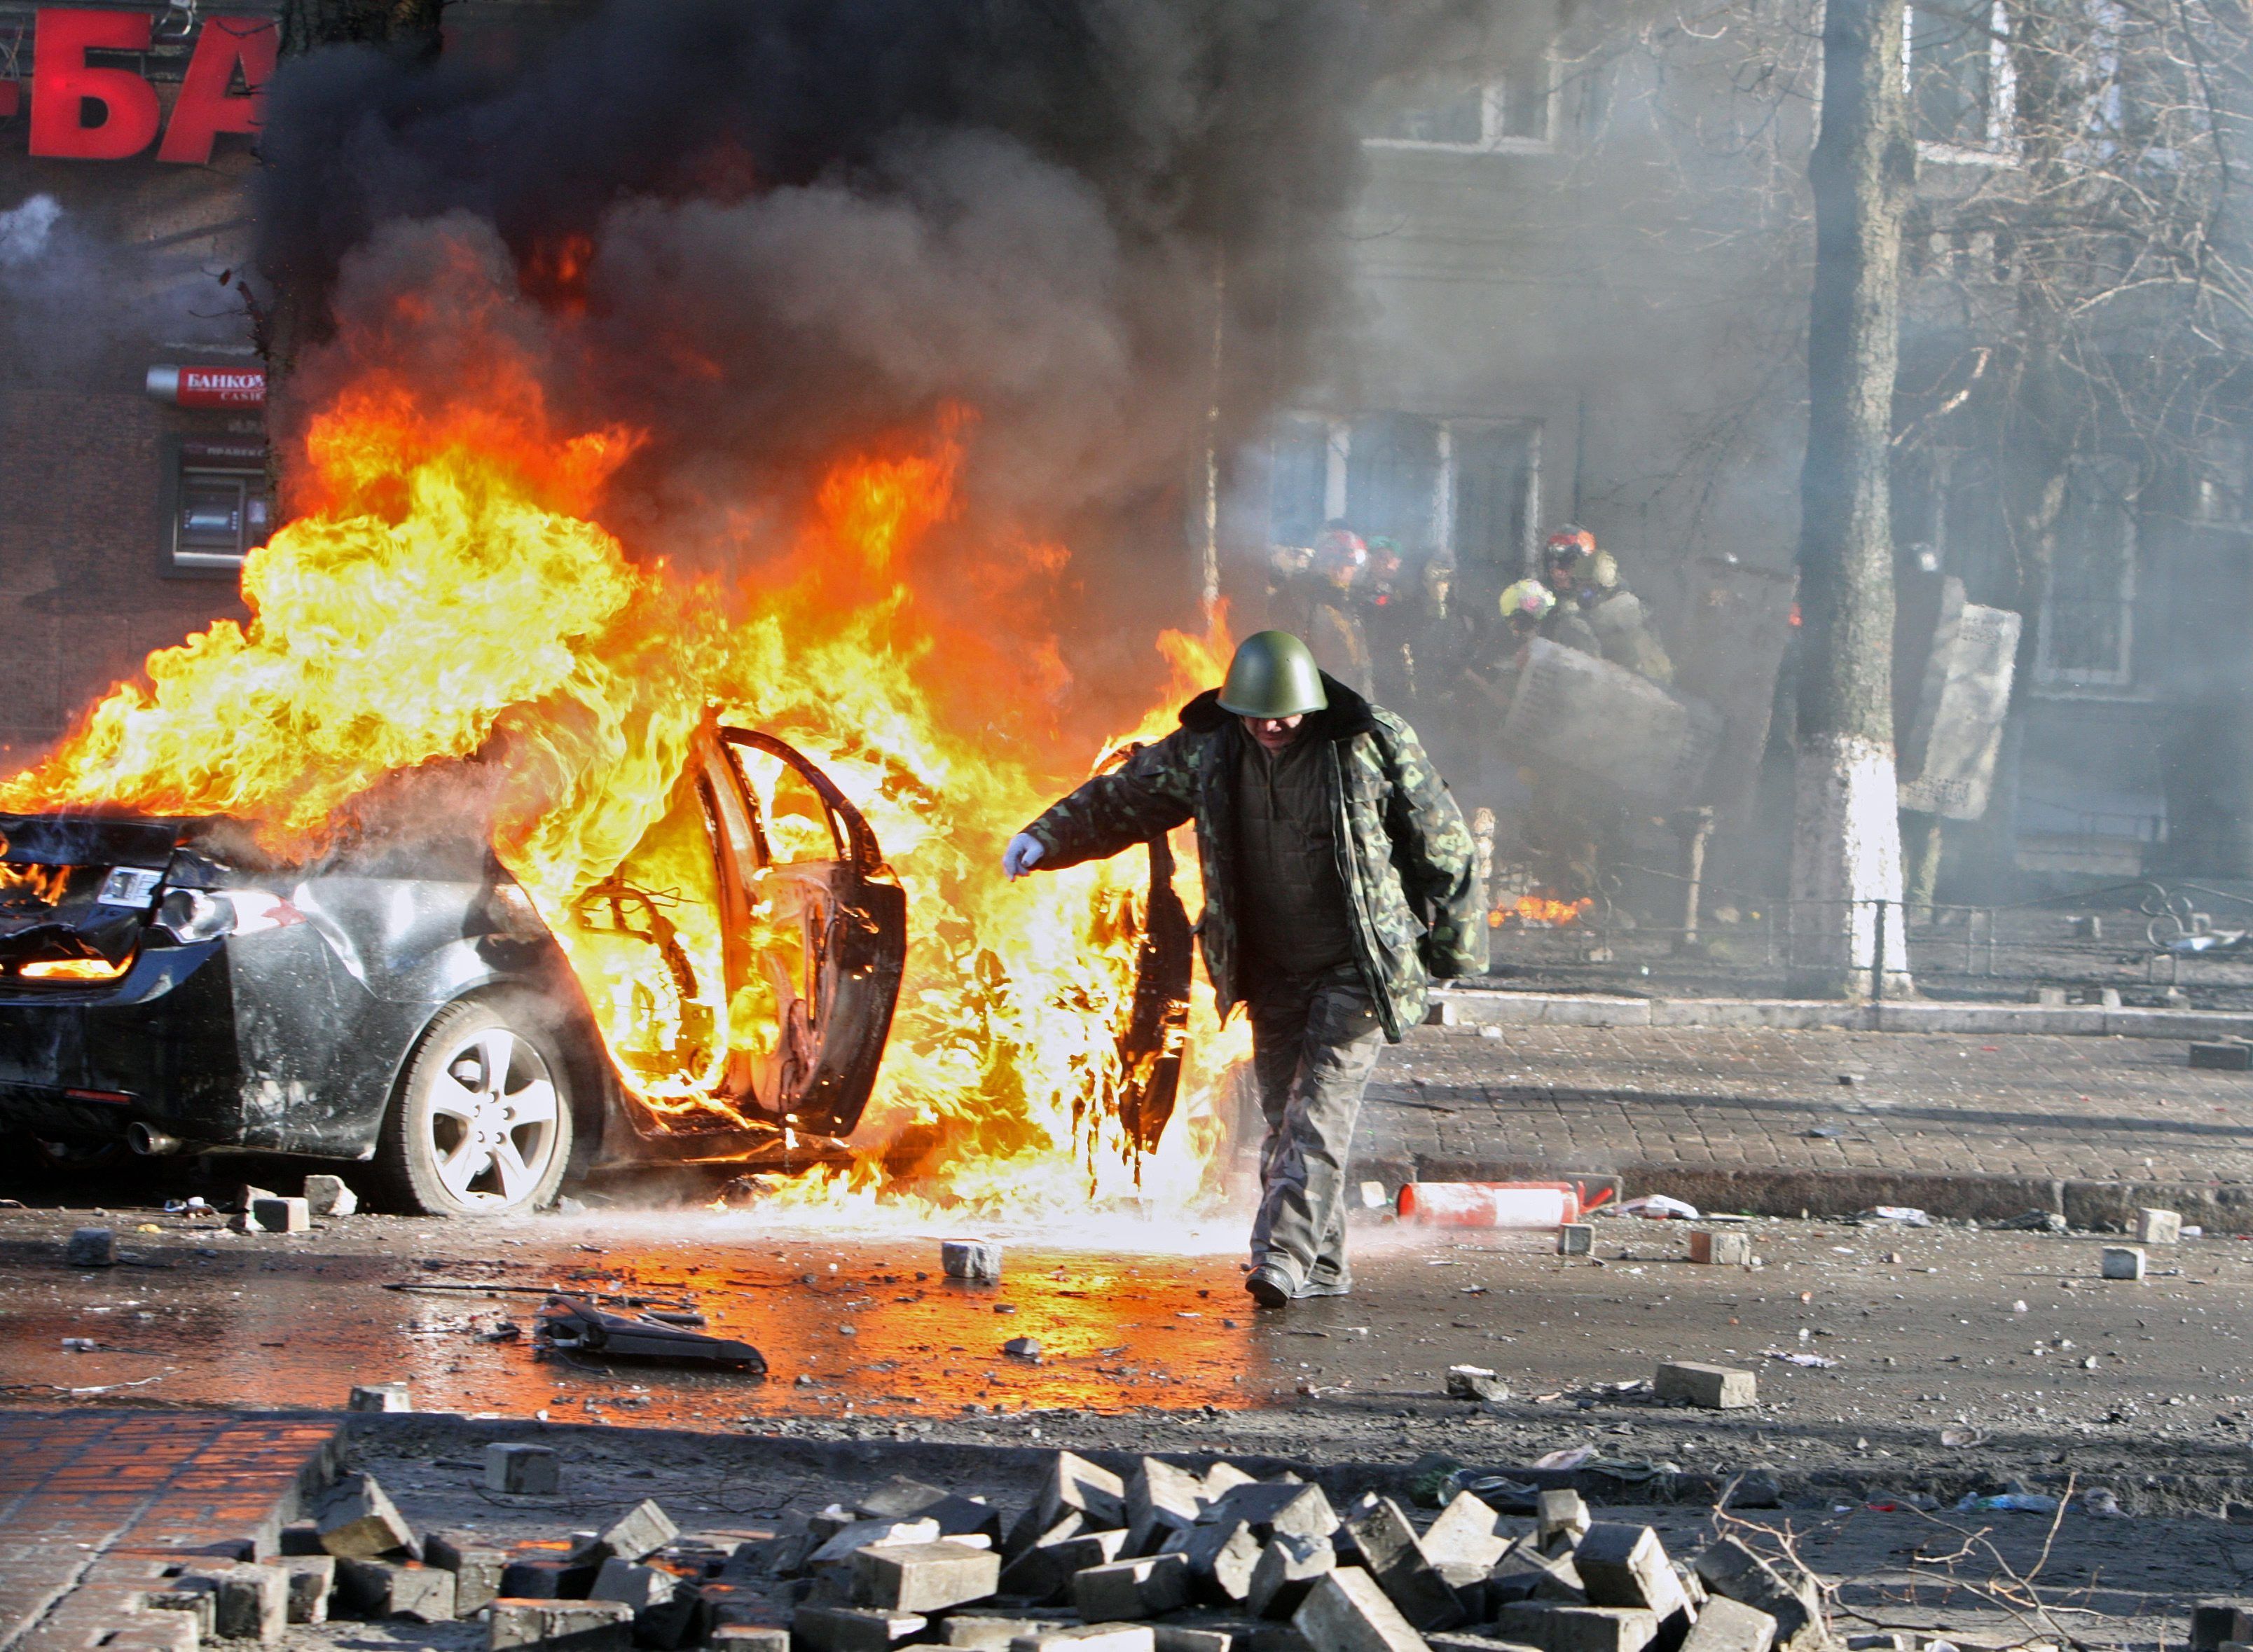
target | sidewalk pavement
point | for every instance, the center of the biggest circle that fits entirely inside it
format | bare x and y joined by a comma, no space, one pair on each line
1757,1120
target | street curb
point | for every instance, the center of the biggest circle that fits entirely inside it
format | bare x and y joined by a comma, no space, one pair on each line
1499,1006
2218,1207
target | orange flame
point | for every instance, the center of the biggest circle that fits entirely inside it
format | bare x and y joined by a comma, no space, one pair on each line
447,600
1539,911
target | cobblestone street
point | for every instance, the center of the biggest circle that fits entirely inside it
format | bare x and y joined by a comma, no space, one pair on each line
1988,1122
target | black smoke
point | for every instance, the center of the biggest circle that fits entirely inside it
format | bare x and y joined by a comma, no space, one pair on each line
816,222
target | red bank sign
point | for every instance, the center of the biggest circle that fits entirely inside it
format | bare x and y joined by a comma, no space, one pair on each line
89,112
209,387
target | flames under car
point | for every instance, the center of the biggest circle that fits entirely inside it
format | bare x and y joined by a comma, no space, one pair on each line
165,988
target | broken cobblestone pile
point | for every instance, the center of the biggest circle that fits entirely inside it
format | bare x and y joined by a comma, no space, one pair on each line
1163,1559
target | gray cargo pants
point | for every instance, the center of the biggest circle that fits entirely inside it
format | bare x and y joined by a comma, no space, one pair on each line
1314,1042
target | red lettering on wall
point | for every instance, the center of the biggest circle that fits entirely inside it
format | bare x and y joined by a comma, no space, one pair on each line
62,84
208,105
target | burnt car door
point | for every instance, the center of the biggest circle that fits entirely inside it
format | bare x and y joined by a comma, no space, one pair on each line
823,936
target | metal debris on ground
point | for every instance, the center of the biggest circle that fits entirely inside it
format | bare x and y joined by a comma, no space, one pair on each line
1907,1215
569,1325
1657,1206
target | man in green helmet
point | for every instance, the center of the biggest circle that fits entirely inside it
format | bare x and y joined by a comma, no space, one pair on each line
1339,882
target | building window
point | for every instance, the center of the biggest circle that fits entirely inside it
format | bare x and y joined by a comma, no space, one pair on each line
1956,61
1463,490
1493,116
217,506
2087,633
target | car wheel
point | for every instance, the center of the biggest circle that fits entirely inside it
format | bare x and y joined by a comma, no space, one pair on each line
482,1122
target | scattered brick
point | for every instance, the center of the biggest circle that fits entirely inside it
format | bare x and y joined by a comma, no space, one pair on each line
528,1471
1347,1612
330,1196
253,1604
1713,1387
977,1260
275,1215
1467,1533
1562,1518
924,1577
560,1625
92,1248
1576,1239
1729,1626
1624,1566
395,1589
853,1629
361,1524
312,1579
478,1567
1730,1247
2124,1262
379,1396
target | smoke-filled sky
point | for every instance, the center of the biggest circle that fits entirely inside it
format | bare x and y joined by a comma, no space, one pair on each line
815,223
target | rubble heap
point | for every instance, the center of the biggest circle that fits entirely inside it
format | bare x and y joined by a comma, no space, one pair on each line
1164,1559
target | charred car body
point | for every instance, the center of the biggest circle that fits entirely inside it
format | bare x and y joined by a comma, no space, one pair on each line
165,988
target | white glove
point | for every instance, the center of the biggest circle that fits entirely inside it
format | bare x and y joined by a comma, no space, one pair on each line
1021,856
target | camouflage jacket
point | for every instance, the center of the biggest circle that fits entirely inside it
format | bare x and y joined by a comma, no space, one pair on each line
1409,871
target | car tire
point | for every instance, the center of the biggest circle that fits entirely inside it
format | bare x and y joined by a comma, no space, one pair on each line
481,1125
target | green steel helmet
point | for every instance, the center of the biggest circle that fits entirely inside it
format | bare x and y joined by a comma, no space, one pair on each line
1272,675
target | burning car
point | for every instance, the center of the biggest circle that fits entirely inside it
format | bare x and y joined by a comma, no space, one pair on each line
168,985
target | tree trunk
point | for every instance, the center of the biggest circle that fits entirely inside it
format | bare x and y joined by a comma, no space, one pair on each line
1846,855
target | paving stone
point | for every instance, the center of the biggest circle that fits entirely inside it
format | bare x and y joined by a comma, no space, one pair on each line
283,1216
1625,1565
1222,1555
1599,1629
1160,1498
1045,1571
560,1625
1465,1641
478,1567
2124,1262
1732,1571
1385,1542
1075,1484
1527,1574
1208,1634
522,1470
195,1598
1576,1239
330,1196
2213,1622
360,1524
1347,1611
924,1577
977,1260
993,1634
1286,1575
395,1589
253,1604
92,1248
379,1396
1730,1626
1467,1533
750,1637
639,1533
825,1628
1146,1587
899,1498
1274,1510
1092,1637
165,1632
1560,1517
548,1577
312,1579
639,1586
1729,1247
1712,1387
1475,1381
1222,1478
2159,1227
849,1540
